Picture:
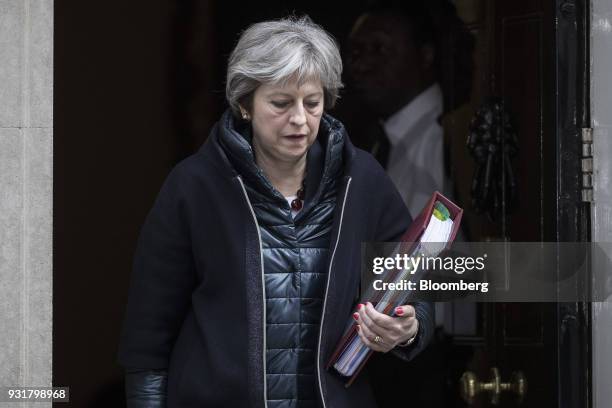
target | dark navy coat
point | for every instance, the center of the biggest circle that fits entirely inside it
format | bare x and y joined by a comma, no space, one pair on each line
196,301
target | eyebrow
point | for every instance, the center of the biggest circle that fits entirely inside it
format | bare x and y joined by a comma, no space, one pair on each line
279,93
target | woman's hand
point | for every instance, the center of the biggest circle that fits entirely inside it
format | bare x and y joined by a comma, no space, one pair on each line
381,332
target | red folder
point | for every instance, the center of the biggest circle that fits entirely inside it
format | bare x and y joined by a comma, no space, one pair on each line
410,237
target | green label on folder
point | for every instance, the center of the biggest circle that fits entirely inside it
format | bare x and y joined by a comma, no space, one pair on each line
440,211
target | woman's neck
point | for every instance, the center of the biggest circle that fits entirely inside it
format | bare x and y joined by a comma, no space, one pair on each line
286,177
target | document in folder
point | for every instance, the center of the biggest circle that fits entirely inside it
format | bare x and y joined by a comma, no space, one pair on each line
431,232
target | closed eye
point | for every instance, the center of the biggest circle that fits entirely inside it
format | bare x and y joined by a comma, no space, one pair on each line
312,104
280,104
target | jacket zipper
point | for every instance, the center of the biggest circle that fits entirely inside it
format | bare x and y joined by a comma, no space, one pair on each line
263,291
331,261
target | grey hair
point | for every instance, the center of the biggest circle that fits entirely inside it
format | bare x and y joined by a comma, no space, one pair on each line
273,52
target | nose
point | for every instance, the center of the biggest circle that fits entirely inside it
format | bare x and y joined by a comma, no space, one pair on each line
298,115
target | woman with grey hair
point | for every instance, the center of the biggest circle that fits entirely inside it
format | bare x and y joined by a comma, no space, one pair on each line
247,266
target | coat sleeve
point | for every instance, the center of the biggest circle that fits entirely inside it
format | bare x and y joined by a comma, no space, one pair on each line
162,281
394,220
145,388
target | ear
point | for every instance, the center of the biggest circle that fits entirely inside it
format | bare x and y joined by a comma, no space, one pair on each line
244,113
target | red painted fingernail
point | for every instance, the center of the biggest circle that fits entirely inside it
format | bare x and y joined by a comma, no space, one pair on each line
399,311
359,306
356,316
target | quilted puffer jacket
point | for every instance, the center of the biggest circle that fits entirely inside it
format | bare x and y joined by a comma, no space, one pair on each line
295,254
194,333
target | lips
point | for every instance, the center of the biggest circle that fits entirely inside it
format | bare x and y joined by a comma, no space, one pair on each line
295,138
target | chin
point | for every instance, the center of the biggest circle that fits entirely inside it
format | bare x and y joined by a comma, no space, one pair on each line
293,154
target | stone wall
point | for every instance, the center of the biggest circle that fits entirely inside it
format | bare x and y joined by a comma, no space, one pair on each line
26,193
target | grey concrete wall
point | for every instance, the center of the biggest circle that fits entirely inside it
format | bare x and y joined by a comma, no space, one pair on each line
601,116
26,187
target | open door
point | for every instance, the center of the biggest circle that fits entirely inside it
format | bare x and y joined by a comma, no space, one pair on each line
530,59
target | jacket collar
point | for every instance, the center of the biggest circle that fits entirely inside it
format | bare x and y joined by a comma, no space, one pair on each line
229,148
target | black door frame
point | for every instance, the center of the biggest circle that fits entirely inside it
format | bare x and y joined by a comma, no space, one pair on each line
572,111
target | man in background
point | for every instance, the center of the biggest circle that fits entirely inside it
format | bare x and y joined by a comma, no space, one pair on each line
399,70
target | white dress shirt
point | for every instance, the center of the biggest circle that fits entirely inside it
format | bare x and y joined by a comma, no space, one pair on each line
416,155
416,166
416,160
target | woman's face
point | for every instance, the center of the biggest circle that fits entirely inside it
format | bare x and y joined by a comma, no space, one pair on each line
286,119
